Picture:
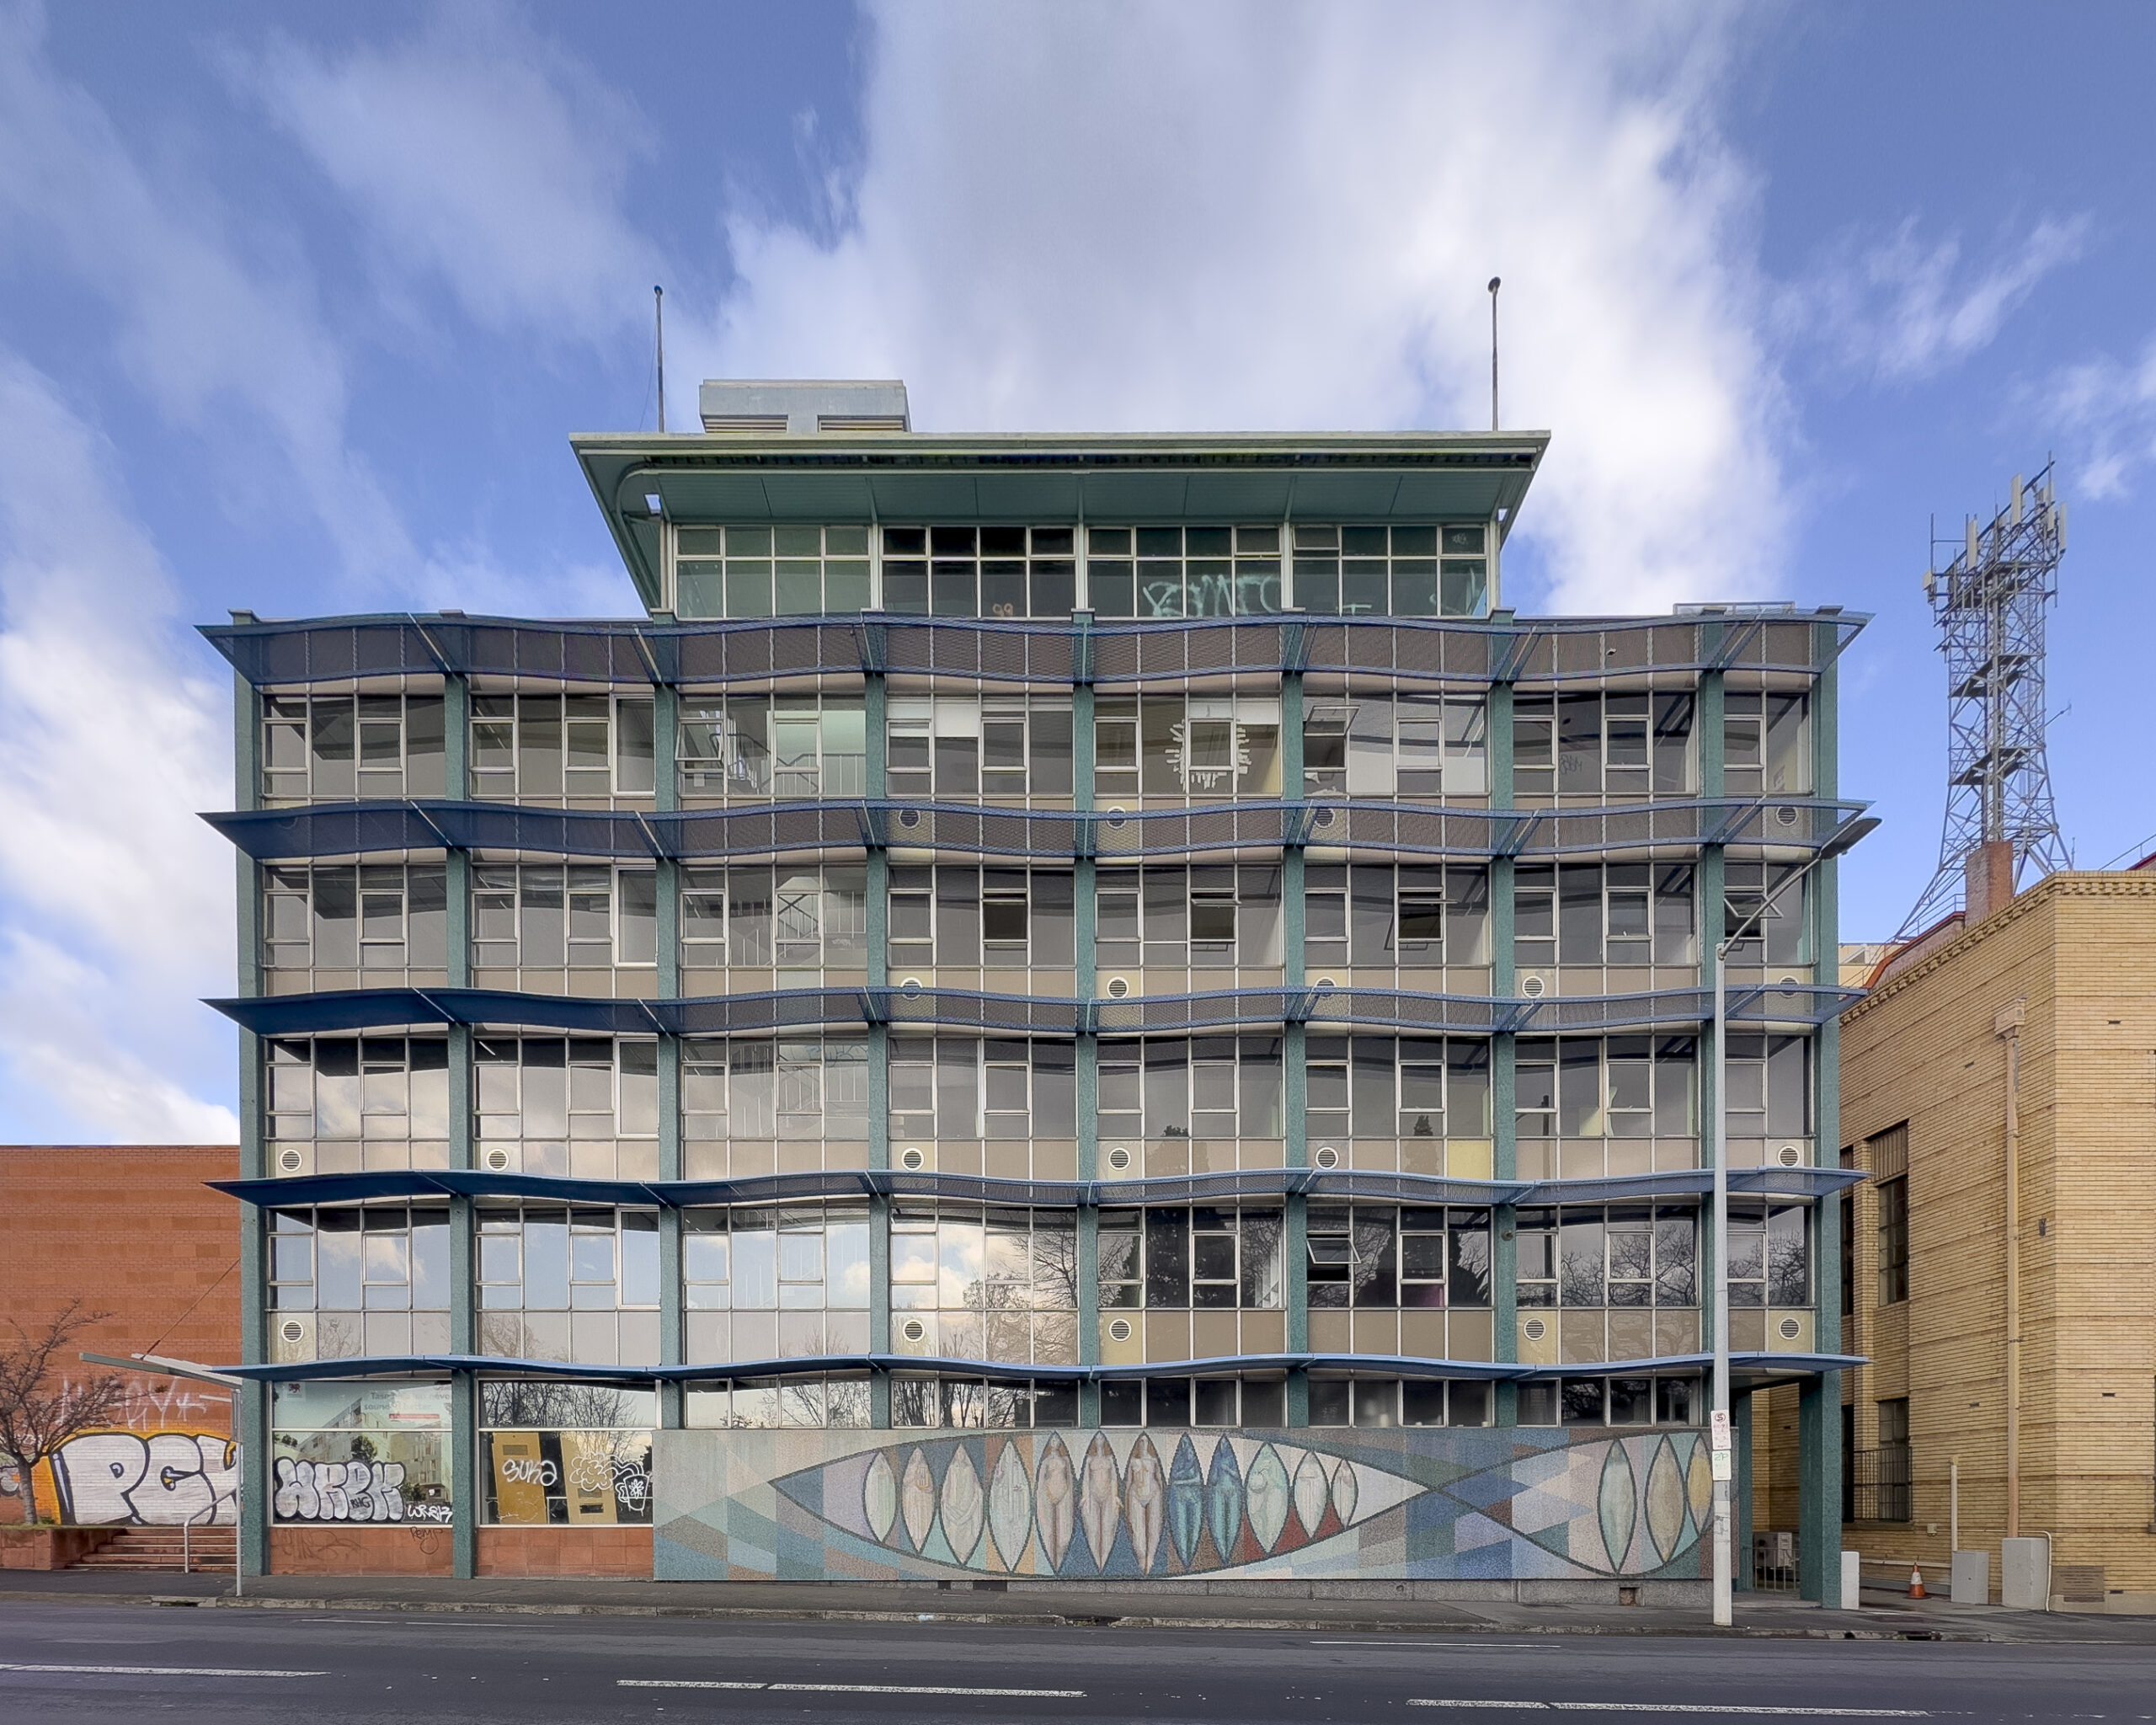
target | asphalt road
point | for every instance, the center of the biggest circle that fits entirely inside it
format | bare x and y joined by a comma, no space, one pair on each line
124,1664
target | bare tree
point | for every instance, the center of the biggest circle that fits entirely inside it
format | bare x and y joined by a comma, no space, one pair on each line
41,1409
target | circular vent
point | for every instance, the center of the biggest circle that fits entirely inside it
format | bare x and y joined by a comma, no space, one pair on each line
909,817
1790,1329
1789,1155
498,1160
911,988
911,1157
1534,1329
290,1161
913,1329
1785,815
1119,986
1790,982
1323,984
1118,1157
1117,819
1119,1331
1327,1156
291,1330
1533,987
1323,817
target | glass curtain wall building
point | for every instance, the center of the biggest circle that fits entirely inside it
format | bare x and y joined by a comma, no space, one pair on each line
1126,942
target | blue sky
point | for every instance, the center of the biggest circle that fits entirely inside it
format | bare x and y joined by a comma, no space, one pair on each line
299,306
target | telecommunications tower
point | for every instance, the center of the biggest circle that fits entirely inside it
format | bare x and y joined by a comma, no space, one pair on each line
1989,603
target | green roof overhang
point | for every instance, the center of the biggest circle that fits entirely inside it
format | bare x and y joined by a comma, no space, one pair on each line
904,476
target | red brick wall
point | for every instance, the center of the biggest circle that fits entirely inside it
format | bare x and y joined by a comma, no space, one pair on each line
366,1551
133,1230
618,1551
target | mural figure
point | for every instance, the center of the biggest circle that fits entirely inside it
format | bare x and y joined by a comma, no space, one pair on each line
1223,1500
917,1500
1145,1501
1100,1505
963,1506
1009,1507
1055,1502
1186,1502
1266,1494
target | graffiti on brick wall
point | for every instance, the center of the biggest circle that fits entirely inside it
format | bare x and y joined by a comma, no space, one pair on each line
156,1479
348,1491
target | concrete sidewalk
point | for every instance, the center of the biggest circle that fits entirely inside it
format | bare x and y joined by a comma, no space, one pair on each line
1886,1616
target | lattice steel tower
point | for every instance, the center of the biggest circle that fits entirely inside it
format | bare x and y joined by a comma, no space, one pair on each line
1989,603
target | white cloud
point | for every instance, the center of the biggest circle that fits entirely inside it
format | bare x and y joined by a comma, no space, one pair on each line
1216,216
477,153
217,342
1901,308
115,902
2107,407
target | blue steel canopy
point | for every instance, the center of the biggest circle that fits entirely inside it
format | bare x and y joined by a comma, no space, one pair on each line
1795,824
1753,1364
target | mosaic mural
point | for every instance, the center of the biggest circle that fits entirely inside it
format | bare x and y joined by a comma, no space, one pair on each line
1421,1503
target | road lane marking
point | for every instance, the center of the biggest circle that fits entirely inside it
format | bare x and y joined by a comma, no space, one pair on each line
159,1671
1683,1707
840,1688
1703,1707
1342,1642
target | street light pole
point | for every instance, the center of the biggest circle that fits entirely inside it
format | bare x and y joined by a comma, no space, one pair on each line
1722,1455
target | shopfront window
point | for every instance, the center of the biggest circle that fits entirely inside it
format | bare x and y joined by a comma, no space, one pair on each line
349,1454
555,1454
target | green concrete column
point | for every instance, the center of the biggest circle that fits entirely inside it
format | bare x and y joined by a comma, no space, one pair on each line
251,1405
1713,918
1504,1121
463,1248
876,785
1085,987
1819,1406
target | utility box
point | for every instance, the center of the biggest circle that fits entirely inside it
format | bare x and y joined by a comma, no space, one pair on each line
1852,1581
2025,1574
1971,1578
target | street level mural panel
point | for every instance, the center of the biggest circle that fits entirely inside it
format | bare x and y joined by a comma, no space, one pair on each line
1420,1505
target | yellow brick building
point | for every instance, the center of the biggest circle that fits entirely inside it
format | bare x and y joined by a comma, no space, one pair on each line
2028,1033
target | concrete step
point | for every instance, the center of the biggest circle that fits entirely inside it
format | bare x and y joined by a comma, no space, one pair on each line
162,1548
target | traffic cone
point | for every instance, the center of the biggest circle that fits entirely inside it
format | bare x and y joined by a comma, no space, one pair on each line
1916,1583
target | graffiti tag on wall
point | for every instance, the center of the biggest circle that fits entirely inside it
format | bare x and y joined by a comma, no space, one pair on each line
163,1479
348,1491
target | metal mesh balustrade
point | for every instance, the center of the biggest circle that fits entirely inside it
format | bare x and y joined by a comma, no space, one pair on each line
634,651
1248,828
1372,1184
385,1008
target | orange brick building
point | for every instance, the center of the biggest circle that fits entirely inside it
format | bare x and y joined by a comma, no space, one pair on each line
135,1232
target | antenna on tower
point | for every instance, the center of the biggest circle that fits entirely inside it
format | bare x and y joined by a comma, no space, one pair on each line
1989,603
658,312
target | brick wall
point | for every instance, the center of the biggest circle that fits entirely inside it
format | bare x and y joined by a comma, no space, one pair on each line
135,1232
619,1551
2080,950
